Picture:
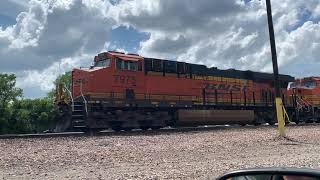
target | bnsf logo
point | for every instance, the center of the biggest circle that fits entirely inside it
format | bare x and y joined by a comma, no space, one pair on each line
226,87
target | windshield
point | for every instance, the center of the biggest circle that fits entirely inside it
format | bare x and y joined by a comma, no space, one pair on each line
309,84
102,63
306,84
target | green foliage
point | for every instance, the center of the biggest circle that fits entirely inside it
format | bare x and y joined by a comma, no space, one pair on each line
64,79
18,115
8,93
4,121
32,115
8,90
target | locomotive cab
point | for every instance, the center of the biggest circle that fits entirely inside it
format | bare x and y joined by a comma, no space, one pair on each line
112,74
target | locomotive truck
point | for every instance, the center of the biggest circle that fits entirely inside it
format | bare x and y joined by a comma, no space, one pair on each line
127,91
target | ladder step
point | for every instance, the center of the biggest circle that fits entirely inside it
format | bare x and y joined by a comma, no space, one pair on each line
79,126
77,110
79,121
77,115
77,105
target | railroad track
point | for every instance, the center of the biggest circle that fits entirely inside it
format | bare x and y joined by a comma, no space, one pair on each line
137,132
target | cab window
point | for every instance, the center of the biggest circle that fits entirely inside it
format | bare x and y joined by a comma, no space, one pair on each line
292,85
102,63
309,84
128,65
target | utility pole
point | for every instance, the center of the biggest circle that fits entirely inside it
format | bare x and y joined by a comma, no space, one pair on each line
279,105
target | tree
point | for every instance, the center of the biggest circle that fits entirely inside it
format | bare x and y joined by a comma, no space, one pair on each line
8,93
31,116
64,79
8,90
19,115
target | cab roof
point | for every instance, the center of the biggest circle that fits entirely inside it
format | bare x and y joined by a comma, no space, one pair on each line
121,55
128,57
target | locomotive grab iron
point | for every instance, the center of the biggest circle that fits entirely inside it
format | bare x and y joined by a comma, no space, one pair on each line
126,91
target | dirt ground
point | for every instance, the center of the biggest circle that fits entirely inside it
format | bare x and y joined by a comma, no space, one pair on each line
183,155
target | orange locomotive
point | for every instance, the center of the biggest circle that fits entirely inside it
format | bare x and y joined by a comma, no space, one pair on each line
307,89
126,91
306,92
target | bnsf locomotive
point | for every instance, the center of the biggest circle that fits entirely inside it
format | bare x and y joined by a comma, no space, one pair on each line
126,91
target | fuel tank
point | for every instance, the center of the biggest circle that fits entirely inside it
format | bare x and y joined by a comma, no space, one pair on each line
214,117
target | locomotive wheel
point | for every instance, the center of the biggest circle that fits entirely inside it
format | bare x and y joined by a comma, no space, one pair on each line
127,128
256,124
92,131
309,121
271,123
82,129
116,128
144,128
155,127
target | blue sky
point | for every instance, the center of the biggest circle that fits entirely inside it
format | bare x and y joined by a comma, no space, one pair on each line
127,38
41,39
6,21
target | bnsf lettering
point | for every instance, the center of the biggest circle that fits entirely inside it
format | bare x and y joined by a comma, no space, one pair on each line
236,88
226,87
125,79
211,86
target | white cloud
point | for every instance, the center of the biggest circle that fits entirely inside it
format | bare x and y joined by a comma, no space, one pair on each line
44,78
301,46
53,31
227,34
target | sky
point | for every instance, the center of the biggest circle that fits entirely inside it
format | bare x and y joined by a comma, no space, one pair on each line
41,39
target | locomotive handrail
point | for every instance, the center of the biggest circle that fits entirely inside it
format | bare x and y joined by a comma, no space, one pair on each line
84,99
85,103
307,102
214,99
70,94
299,106
304,104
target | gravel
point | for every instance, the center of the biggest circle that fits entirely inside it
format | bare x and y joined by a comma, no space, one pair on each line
180,155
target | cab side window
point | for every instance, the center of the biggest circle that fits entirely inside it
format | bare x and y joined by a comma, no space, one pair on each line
102,63
125,65
128,65
133,66
118,63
